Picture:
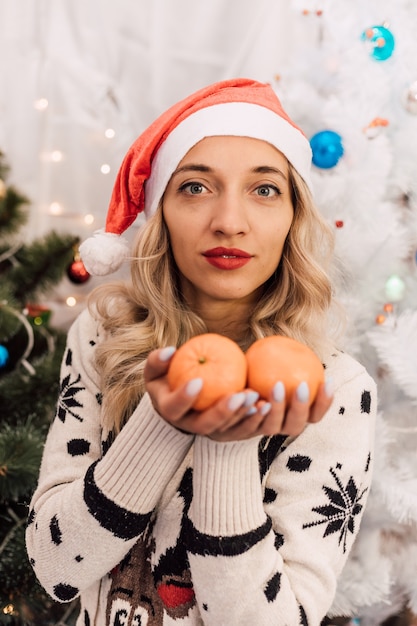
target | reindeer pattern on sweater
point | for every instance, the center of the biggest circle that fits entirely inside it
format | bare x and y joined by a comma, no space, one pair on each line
157,527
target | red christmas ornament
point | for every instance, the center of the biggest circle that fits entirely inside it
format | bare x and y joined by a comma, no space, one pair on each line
77,273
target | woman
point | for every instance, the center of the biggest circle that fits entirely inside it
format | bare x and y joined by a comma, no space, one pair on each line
244,513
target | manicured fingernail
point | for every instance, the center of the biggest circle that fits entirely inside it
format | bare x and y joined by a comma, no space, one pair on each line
251,411
265,408
303,392
194,387
236,401
251,398
329,388
166,353
278,392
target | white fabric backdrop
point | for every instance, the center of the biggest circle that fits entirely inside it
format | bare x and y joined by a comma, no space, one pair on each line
102,64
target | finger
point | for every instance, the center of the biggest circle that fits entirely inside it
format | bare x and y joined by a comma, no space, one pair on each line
245,428
238,407
298,411
253,423
157,363
273,412
174,405
322,401
248,423
179,409
223,413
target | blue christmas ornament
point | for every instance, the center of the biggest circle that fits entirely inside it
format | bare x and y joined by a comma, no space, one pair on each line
382,41
327,148
4,356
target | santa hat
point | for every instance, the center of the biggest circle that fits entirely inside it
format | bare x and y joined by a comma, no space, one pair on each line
237,107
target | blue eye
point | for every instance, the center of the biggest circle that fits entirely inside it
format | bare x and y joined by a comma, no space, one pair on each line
267,191
192,188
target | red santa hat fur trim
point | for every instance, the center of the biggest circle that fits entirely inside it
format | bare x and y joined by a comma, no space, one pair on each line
237,107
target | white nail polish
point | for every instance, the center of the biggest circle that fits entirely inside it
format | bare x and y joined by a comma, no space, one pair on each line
265,408
251,411
236,401
303,392
278,392
166,353
329,388
251,398
194,387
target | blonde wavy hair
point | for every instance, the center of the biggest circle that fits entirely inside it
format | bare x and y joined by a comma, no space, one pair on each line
149,311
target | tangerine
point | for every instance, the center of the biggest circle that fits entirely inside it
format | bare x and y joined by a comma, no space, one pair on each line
216,359
275,358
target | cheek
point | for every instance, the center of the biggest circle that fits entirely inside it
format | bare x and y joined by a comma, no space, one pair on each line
181,242
184,230
175,226
277,236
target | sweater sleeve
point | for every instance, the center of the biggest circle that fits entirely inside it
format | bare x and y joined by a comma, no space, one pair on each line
89,508
271,529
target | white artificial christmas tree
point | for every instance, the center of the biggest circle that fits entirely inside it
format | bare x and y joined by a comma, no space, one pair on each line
354,73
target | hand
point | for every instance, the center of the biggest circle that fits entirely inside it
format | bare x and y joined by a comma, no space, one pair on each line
176,406
235,417
279,417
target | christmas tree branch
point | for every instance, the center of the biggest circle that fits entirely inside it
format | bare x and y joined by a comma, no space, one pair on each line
12,214
41,265
18,523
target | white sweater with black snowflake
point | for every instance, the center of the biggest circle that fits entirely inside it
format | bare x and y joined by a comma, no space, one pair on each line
161,527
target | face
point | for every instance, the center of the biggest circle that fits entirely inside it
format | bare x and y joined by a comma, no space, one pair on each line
228,211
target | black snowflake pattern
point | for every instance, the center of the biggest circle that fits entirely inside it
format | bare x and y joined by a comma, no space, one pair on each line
339,514
67,402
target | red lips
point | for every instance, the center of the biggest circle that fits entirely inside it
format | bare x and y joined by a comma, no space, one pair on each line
227,258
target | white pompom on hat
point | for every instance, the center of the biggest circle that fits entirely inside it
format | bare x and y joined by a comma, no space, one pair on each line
237,107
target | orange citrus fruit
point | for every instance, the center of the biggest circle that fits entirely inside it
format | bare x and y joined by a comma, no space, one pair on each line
217,360
278,358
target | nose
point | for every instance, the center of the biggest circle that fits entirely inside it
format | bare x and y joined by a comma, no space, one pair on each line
229,214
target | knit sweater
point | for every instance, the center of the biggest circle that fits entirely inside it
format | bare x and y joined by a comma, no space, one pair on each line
160,527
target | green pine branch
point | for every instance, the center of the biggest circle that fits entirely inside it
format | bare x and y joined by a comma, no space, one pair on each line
20,456
23,394
29,388
40,265
13,213
9,323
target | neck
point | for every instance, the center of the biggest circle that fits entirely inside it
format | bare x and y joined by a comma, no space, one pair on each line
227,318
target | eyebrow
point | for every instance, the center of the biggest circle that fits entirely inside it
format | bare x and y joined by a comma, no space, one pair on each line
197,167
192,168
268,169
